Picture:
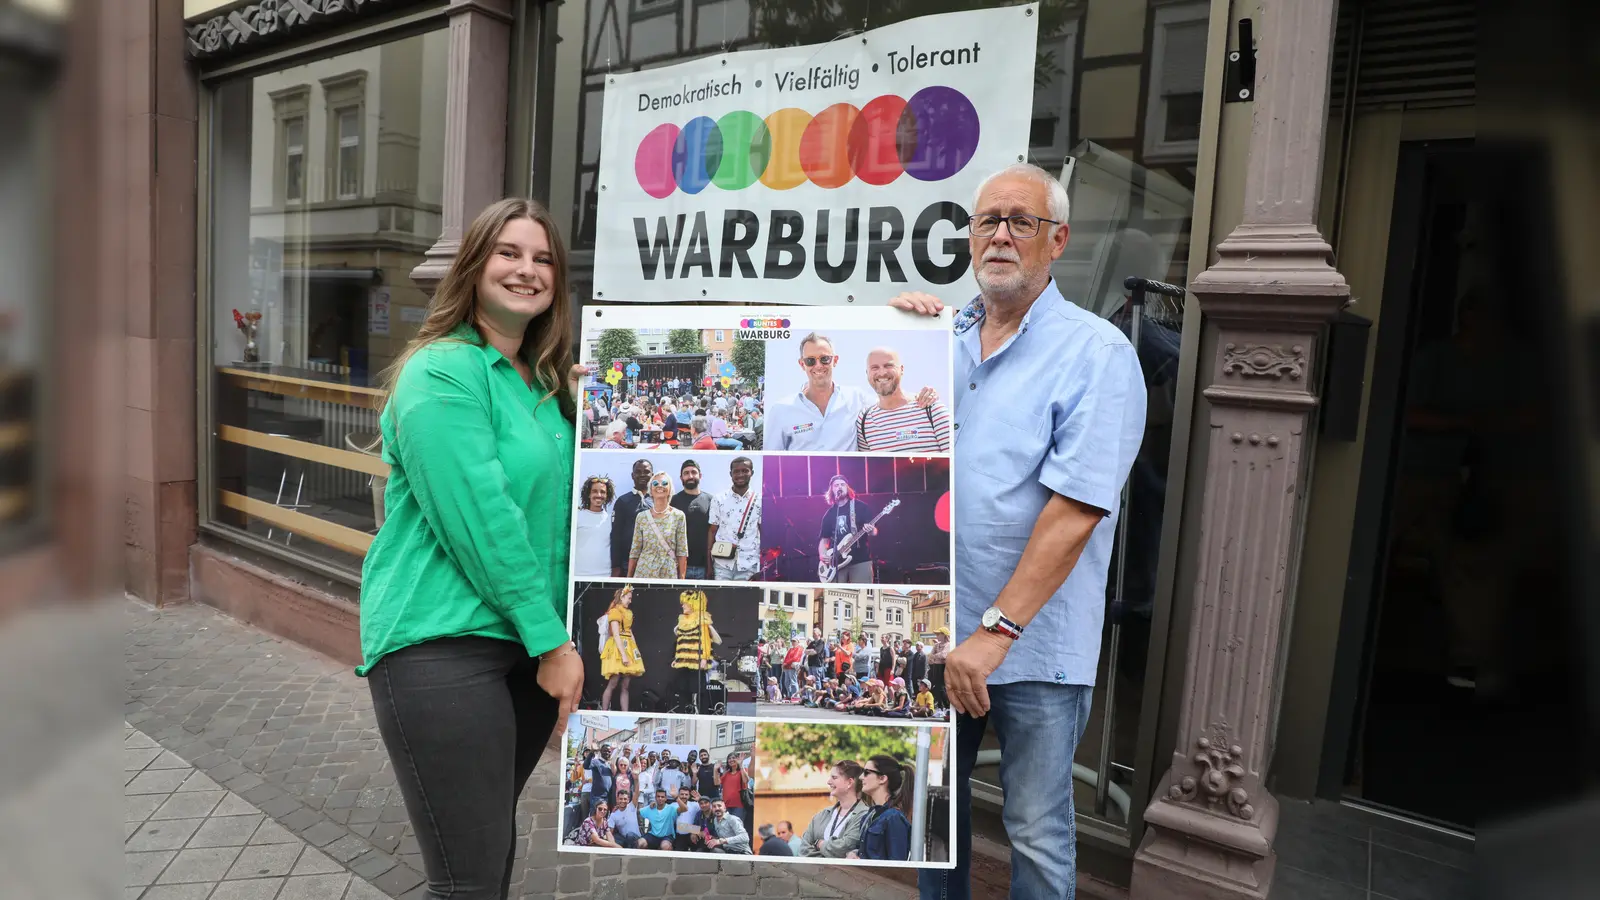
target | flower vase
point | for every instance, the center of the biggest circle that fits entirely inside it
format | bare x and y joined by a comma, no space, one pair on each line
252,353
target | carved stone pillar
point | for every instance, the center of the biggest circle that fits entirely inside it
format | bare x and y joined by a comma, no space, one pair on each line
1212,822
474,125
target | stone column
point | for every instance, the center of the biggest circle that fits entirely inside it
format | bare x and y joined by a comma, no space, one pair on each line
474,125
1273,287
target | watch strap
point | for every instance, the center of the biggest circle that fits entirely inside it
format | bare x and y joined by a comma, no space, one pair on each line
1005,627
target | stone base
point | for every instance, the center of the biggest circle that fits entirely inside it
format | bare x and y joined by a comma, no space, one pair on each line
1191,854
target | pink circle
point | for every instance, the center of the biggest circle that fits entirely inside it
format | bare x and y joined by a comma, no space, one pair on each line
653,163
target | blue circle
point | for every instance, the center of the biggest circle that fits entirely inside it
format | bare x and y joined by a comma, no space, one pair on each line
697,154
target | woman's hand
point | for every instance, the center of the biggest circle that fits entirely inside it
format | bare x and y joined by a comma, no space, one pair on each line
561,676
575,377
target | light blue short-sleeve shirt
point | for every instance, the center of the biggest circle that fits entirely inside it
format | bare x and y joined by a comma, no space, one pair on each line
797,424
1057,409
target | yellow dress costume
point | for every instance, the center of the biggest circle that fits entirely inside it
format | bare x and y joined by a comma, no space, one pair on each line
611,656
692,633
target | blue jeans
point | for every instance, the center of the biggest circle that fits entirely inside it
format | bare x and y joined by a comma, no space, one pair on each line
695,573
728,444
1039,725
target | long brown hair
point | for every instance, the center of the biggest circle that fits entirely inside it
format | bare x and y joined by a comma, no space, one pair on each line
547,343
898,778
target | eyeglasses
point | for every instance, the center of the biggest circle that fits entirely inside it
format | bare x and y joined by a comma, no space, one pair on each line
1020,225
872,772
660,482
822,360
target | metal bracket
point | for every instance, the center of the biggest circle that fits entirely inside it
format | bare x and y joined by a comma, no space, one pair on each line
1239,76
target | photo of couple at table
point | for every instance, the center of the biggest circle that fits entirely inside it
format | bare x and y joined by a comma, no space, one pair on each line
856,520
845,793
857,390
661,649
667,516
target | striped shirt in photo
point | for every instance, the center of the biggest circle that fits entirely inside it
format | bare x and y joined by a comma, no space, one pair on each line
906,429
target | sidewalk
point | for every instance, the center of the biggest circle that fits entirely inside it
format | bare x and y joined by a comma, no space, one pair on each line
265,758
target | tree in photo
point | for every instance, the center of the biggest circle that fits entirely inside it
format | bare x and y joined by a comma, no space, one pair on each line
616,343
779,627
820,746
857,633
750,359
684,340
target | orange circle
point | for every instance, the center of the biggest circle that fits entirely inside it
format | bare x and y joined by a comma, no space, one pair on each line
825,148
787,127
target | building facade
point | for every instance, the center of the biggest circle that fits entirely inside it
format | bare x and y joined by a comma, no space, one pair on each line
1286,585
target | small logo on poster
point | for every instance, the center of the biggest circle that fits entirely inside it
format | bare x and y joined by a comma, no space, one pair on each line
763,329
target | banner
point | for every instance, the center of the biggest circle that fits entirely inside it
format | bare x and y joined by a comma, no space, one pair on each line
761,567
818,175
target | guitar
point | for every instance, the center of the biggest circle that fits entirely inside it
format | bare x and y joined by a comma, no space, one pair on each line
838,557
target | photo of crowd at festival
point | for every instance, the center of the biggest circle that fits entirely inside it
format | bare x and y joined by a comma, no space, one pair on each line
672,516
657,784
672,389
871,391
875,793
657,649
843,653
856,520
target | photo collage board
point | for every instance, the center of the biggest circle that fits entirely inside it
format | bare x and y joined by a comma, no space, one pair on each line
761,577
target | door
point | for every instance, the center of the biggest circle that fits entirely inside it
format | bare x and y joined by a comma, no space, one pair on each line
1454,572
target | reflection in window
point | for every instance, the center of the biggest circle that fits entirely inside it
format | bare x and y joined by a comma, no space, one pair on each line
318,267
1178,65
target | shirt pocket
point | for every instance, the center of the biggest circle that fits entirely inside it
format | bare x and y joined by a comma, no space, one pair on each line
1010,444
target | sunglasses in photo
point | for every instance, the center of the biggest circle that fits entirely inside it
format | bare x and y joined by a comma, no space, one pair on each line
818,360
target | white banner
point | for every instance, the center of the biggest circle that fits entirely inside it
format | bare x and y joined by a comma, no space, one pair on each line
824,174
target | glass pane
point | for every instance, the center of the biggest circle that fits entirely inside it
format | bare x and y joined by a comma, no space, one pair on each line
1182,119
309,304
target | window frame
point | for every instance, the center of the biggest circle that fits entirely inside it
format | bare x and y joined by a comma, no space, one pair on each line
1158,150
290,105
341,94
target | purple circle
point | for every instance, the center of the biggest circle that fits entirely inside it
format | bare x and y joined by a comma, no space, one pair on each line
938,133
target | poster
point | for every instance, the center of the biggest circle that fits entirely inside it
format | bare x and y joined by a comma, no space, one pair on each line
378,312
820,175
761,559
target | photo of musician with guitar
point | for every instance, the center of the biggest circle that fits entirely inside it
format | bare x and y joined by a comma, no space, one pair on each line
856,520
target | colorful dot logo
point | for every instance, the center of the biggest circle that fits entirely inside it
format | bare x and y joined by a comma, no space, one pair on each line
763,323
930,137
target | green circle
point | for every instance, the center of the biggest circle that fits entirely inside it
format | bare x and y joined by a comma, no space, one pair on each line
746,148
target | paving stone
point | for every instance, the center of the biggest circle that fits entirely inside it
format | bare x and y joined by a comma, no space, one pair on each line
265,861
199,781
139,807
234,805
573,879
315,862
347,848
360,890
299,820
322,834
156,781
226,831
188,805
135,759
691,885
248,889
206,864
315,887
162,834
168,760
371,864
271,832
142,868
397,880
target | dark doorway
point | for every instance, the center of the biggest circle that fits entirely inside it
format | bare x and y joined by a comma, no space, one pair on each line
1455,569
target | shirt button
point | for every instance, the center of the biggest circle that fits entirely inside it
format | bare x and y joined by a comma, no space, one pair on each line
973,386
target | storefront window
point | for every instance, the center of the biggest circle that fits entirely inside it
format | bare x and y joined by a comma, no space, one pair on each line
325,191
1116,107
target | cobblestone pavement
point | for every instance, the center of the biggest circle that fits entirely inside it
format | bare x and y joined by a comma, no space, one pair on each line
189,838
291,733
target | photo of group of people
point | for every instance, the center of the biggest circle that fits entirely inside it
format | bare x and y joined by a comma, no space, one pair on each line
658,649
841,667
790,518
820,792
656,784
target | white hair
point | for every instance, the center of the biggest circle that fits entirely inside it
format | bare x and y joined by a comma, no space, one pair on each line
1060,207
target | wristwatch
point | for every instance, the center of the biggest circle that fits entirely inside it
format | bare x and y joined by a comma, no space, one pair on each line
995,621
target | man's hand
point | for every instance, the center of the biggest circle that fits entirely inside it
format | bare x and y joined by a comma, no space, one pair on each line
967,670
927,397
917,302
871,530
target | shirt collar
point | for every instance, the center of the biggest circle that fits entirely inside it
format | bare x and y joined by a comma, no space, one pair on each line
973,313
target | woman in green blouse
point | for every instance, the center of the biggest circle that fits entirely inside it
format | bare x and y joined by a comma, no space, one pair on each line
463,595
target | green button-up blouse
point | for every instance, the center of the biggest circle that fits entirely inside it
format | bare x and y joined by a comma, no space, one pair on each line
476,538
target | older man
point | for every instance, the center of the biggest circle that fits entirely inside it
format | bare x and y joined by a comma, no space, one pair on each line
1049,416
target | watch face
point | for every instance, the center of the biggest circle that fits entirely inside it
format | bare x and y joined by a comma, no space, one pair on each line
991,617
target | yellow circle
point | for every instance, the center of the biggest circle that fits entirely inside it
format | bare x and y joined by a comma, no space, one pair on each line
786,126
